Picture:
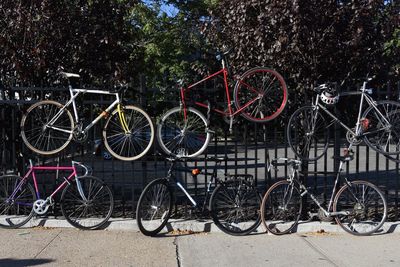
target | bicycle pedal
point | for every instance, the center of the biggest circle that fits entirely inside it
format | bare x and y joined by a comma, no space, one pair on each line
210,131
312,215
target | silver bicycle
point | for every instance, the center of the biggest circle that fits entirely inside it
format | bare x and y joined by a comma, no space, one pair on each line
378,125
47,127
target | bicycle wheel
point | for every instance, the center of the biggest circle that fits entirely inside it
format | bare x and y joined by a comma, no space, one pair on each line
184,137
90,213
134,143
308,133
41,136
281,208
17,210
381,127
261,94
363,206
154,207
234,207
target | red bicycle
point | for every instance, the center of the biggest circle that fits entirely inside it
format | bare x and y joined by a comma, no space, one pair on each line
260,95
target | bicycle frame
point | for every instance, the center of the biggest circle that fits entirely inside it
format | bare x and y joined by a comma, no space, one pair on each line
67,180
364,96
293,178
74,93
230,111
170,177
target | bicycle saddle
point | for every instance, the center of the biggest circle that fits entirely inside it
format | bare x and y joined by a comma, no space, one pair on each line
69,75
182,82
221,54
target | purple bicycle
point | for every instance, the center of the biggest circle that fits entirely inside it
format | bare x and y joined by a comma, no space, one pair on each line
86,201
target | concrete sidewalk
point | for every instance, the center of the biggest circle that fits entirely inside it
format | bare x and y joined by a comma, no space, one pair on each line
43,246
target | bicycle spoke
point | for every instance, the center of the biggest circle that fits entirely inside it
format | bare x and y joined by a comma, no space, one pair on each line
265,85
154,207
364,206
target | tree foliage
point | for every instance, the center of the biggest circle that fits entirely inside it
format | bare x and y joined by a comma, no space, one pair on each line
93,38
310,40
171,43
112,40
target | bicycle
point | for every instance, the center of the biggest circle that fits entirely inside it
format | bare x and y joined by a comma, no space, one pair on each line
378,126
359,207
260,95
86,201
47,127
233,204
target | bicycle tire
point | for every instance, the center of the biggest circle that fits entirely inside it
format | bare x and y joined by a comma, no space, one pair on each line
95,211
134,144
240,197
179,137
384,141
308,133
16,213
156,195
276,216
273,94
36,117
359,210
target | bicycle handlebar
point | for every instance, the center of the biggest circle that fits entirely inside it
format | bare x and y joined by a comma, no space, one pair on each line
286,161
87,169
185,158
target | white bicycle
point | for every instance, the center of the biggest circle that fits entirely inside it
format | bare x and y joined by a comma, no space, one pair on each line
48,126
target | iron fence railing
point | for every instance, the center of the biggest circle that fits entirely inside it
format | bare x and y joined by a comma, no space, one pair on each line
248,149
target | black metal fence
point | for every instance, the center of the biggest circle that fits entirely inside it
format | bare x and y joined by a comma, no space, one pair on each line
248,148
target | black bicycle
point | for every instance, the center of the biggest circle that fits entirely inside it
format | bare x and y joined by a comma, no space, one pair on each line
233,205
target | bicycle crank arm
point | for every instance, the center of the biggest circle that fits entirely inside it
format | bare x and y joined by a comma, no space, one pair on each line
336,213
312,216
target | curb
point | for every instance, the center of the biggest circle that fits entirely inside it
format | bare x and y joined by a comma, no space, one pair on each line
207,226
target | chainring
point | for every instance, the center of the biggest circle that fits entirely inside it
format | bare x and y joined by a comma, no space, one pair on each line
80,136
323,217
40,206
352,139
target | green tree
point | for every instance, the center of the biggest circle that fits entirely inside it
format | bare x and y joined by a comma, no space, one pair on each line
171,43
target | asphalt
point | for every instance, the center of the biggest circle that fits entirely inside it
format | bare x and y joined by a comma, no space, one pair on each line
320,244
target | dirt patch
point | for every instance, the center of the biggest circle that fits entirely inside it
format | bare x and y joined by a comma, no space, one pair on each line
186,232
320,232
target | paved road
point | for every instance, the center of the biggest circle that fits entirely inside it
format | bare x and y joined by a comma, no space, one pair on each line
71,247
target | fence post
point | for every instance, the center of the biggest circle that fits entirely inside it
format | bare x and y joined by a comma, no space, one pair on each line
143,91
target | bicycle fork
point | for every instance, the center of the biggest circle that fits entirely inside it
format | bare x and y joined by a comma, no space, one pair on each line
122,119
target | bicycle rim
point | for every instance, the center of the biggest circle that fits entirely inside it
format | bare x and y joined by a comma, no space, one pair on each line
234,208
177,136
92,212
131,138
40,138
382,134
261,93
281,208
365,206
308,134
154,207
16,211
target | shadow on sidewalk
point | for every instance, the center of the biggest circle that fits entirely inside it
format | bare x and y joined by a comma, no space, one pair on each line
9,262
